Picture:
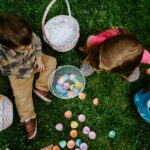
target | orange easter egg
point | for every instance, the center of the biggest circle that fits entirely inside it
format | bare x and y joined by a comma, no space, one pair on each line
82,96
68,114
56,147
148,71
71,144
95,101
73,133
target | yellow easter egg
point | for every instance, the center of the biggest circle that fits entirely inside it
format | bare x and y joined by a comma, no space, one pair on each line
74,124
78,85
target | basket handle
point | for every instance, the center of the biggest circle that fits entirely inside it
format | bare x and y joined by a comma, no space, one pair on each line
47,10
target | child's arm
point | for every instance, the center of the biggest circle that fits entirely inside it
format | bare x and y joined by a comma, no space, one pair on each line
146,57
38,47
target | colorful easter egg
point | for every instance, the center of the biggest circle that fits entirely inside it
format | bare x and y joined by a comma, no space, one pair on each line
64,93
62,144
72,76
59,88
92,135
61,80
68,114
86,130
72,86
82,96
83,146
148,71
75,91
81,118
78,142
66,76
71,144
78,85
66,86
74,124
75,80
112,134
70,94
95,101
73,133
59,127
56,147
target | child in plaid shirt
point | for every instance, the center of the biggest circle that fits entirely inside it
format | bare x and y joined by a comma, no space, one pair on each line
20,58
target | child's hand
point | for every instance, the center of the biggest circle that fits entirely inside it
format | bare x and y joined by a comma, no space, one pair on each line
39,66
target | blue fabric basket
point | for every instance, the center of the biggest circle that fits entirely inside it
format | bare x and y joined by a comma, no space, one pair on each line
141,99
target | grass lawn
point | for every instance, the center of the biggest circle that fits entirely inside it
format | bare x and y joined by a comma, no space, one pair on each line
116,110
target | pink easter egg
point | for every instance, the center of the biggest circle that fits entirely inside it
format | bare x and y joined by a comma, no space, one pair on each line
86,130
68,114
72,76
66,85
92,135
59,127
81,118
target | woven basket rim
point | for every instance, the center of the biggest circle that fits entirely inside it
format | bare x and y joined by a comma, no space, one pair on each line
52,75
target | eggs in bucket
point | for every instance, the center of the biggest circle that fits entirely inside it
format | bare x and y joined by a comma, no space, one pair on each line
68,85
67,82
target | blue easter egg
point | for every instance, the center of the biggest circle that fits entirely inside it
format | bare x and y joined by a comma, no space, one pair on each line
75,91
64,93
78,142
59,88
112,134
66,76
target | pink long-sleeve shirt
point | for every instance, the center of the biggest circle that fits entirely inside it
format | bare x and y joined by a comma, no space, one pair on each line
100,38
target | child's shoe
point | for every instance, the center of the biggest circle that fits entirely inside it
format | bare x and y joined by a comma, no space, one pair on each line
42,94
31,128
86,69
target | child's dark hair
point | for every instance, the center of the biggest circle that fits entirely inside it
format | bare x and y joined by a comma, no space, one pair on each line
119,54
14,31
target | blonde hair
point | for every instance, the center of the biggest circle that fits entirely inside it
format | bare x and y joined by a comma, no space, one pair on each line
118,54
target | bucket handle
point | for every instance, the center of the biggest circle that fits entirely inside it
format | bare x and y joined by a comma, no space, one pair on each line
47,10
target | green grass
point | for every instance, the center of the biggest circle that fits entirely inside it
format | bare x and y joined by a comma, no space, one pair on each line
116,110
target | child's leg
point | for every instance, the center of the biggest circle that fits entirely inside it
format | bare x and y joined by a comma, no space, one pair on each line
50,65
22,89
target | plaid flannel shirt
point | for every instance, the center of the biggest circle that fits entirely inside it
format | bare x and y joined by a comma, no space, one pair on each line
20,64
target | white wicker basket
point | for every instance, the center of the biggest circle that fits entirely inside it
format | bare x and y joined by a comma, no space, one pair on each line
60,32
6,112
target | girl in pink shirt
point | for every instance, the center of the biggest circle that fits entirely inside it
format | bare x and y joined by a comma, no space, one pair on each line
117,51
